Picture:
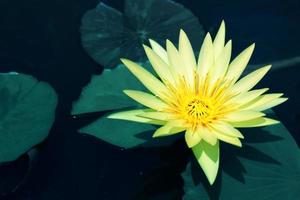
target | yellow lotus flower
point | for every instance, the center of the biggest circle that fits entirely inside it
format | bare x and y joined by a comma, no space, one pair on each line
206,99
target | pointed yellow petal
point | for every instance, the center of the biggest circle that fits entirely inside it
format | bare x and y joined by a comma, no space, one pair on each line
227,129
228,139
246,97
132,115
159,50
242,115
150,81
170,128
207,135
192,138
174,59
221,64
187,55
219,41
265,101
206,56
238,65
160,67
146,99
208,157
271,104
163,116
249,81
258,122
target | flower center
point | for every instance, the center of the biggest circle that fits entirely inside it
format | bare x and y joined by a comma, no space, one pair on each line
198,110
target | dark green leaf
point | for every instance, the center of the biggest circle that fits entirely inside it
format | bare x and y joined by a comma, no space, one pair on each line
27,110
105,92
108,34
118,132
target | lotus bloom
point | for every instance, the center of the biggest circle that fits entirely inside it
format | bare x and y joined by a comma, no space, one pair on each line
207,100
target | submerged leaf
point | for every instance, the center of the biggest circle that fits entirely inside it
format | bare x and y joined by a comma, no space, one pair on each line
27,109
108,34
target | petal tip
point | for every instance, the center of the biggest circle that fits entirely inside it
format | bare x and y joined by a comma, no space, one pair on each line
126,91
151,41
155,135
182,32
111,116
211,180
222,24
182,36
124,61
208,37
146,47
251,48
266,68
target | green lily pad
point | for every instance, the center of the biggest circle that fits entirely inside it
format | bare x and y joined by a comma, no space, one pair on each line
118,132
107,34
27,110
104,93
267,167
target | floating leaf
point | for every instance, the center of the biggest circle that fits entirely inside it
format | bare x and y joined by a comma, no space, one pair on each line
27,109
105,92
268,167
108,34
120,133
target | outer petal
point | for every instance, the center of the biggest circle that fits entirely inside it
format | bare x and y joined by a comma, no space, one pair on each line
238,65
228,139
206,56
246,97
207,134
192,138
250,80
174,59
146,99
150,81
258,122
226,129
187,55
160,67
221,64
271,104
242,115
265,101
159,50
171,128
132,115
158,116
219,41
208,157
